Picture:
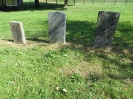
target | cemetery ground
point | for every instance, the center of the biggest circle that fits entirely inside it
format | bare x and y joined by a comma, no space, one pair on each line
75,70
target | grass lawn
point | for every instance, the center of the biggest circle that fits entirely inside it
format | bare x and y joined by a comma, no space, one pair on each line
75,70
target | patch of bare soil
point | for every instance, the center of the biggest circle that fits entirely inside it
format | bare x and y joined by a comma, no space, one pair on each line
49,46
30,44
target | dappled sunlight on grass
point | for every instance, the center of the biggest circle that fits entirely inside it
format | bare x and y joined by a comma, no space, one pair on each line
80,31
124,35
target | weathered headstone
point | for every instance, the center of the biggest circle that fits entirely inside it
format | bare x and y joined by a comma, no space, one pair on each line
57,27
17,32
106,27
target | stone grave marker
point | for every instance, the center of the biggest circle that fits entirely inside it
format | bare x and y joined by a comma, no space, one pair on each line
106,27
57,27
17,32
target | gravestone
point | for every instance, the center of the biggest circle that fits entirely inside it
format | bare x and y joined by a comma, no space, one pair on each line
106,27
57,27
17,32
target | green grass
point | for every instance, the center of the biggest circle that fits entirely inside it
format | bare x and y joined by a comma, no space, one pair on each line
39,70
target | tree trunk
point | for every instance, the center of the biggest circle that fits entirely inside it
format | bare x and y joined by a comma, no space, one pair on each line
66,2
36,3
126,2
19,2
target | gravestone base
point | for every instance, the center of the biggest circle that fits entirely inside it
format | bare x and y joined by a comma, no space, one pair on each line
17,32
106,27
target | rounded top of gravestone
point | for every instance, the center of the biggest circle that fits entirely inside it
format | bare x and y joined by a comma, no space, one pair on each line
109,12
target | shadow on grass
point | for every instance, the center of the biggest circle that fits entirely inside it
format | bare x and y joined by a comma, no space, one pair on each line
9,40
113,65
121,69
43,6
124,38
38,40
37,36
119,66
80,32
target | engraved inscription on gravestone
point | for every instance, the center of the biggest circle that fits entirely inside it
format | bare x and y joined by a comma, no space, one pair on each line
106,27
57,27
17,32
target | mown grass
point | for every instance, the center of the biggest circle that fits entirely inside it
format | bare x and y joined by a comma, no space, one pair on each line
39,70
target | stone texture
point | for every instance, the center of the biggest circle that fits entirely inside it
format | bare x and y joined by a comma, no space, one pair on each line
17,32
57,27
106,27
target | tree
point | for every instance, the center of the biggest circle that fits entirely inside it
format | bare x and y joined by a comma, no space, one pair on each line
36,3
66,2
126,1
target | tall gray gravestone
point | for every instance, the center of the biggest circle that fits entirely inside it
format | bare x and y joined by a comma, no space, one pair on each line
17,32
106,27
57,27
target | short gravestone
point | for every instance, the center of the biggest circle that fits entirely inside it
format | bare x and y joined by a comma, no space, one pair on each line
57,27
106,27
17,32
